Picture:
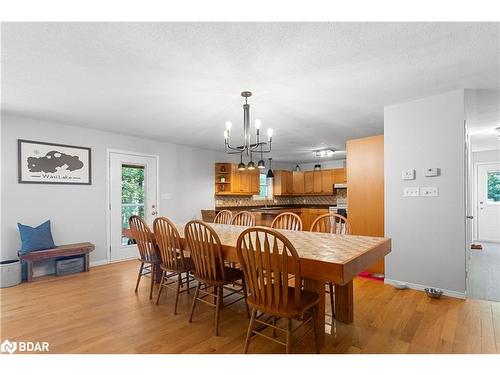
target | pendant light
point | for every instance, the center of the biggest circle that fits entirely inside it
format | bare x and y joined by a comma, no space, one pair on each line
270,173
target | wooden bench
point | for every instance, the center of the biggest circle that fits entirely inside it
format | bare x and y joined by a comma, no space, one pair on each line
83,248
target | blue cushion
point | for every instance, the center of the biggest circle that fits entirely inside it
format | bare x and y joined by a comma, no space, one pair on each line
39,238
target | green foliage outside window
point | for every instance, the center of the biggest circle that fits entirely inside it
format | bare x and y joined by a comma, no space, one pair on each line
132,195
494,186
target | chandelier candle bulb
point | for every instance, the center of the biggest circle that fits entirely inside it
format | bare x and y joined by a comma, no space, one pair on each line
270,134
229,126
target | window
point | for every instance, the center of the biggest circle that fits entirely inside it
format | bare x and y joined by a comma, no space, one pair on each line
263,185
132,195
494,187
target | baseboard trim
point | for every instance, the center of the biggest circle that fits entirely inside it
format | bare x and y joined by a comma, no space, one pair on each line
449,293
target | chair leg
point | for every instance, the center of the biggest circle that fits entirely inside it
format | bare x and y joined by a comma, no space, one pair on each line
275,321
187,282
289,337
218,305
179,282
139,277
161,286
314,311
249,331
332,299
153,270
196,292
244,286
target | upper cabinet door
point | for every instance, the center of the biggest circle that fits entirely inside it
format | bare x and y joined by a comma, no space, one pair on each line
339,176
298,182
327,181
255,181
317,182
308,182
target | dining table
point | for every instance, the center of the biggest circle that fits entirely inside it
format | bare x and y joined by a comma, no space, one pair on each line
324,257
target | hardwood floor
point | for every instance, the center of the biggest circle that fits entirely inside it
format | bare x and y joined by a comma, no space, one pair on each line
484,272
98,312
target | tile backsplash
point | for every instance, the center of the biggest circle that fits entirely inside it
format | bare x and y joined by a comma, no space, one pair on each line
245,201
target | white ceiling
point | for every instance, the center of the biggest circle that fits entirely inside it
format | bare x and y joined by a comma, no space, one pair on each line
316,84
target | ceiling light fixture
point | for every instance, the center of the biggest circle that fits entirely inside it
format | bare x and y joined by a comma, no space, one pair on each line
324,153
248,148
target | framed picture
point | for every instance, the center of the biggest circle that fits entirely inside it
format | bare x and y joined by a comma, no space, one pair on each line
52,163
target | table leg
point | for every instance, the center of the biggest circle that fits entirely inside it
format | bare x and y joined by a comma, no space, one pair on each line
86,262
344,307
318,287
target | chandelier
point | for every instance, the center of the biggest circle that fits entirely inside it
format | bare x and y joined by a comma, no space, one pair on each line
249,147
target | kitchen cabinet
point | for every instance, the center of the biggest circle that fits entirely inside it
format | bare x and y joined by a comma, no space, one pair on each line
308,215
230,181
283,183
317,182
339,176
308,182
298,183
365,183
327,181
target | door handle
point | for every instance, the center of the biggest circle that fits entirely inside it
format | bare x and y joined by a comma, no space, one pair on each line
154,212
470,217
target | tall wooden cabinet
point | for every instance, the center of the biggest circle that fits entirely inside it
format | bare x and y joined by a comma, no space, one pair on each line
365,188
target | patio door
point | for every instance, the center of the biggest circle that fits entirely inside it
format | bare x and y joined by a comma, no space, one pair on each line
133,190
488,196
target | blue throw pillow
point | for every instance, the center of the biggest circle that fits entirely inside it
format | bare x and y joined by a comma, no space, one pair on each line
39,238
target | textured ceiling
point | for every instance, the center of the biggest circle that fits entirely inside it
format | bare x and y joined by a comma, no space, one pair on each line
316,84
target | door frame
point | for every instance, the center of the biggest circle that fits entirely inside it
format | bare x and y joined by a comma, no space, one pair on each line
109,151
475,195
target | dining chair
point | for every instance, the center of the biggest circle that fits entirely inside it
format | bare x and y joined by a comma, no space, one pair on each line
287,220
335,224
173,262
268,258
210,271
243,218
147,250
223,217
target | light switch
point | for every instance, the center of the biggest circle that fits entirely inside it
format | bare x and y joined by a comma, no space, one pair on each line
411,192
408,174
431,191
431,172
165,196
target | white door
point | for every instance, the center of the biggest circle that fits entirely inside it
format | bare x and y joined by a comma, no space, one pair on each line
488,194
132,191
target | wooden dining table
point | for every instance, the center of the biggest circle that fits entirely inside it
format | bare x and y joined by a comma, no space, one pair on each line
324,257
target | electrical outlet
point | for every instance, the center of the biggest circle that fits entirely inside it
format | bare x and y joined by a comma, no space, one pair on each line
431,191
408,174
411,192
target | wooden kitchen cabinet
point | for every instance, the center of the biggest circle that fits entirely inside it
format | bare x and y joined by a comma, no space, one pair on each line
317,182
308,182
327,181
308,215
283,183
230,181
365,182
339,176
298,183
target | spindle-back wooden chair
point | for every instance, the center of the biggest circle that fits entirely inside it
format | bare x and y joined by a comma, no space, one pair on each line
173,261
147,250
223,217
243,218
336,224
268,259
210,270
287,220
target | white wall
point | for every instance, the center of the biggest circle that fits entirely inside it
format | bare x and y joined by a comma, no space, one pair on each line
428,234
78,213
